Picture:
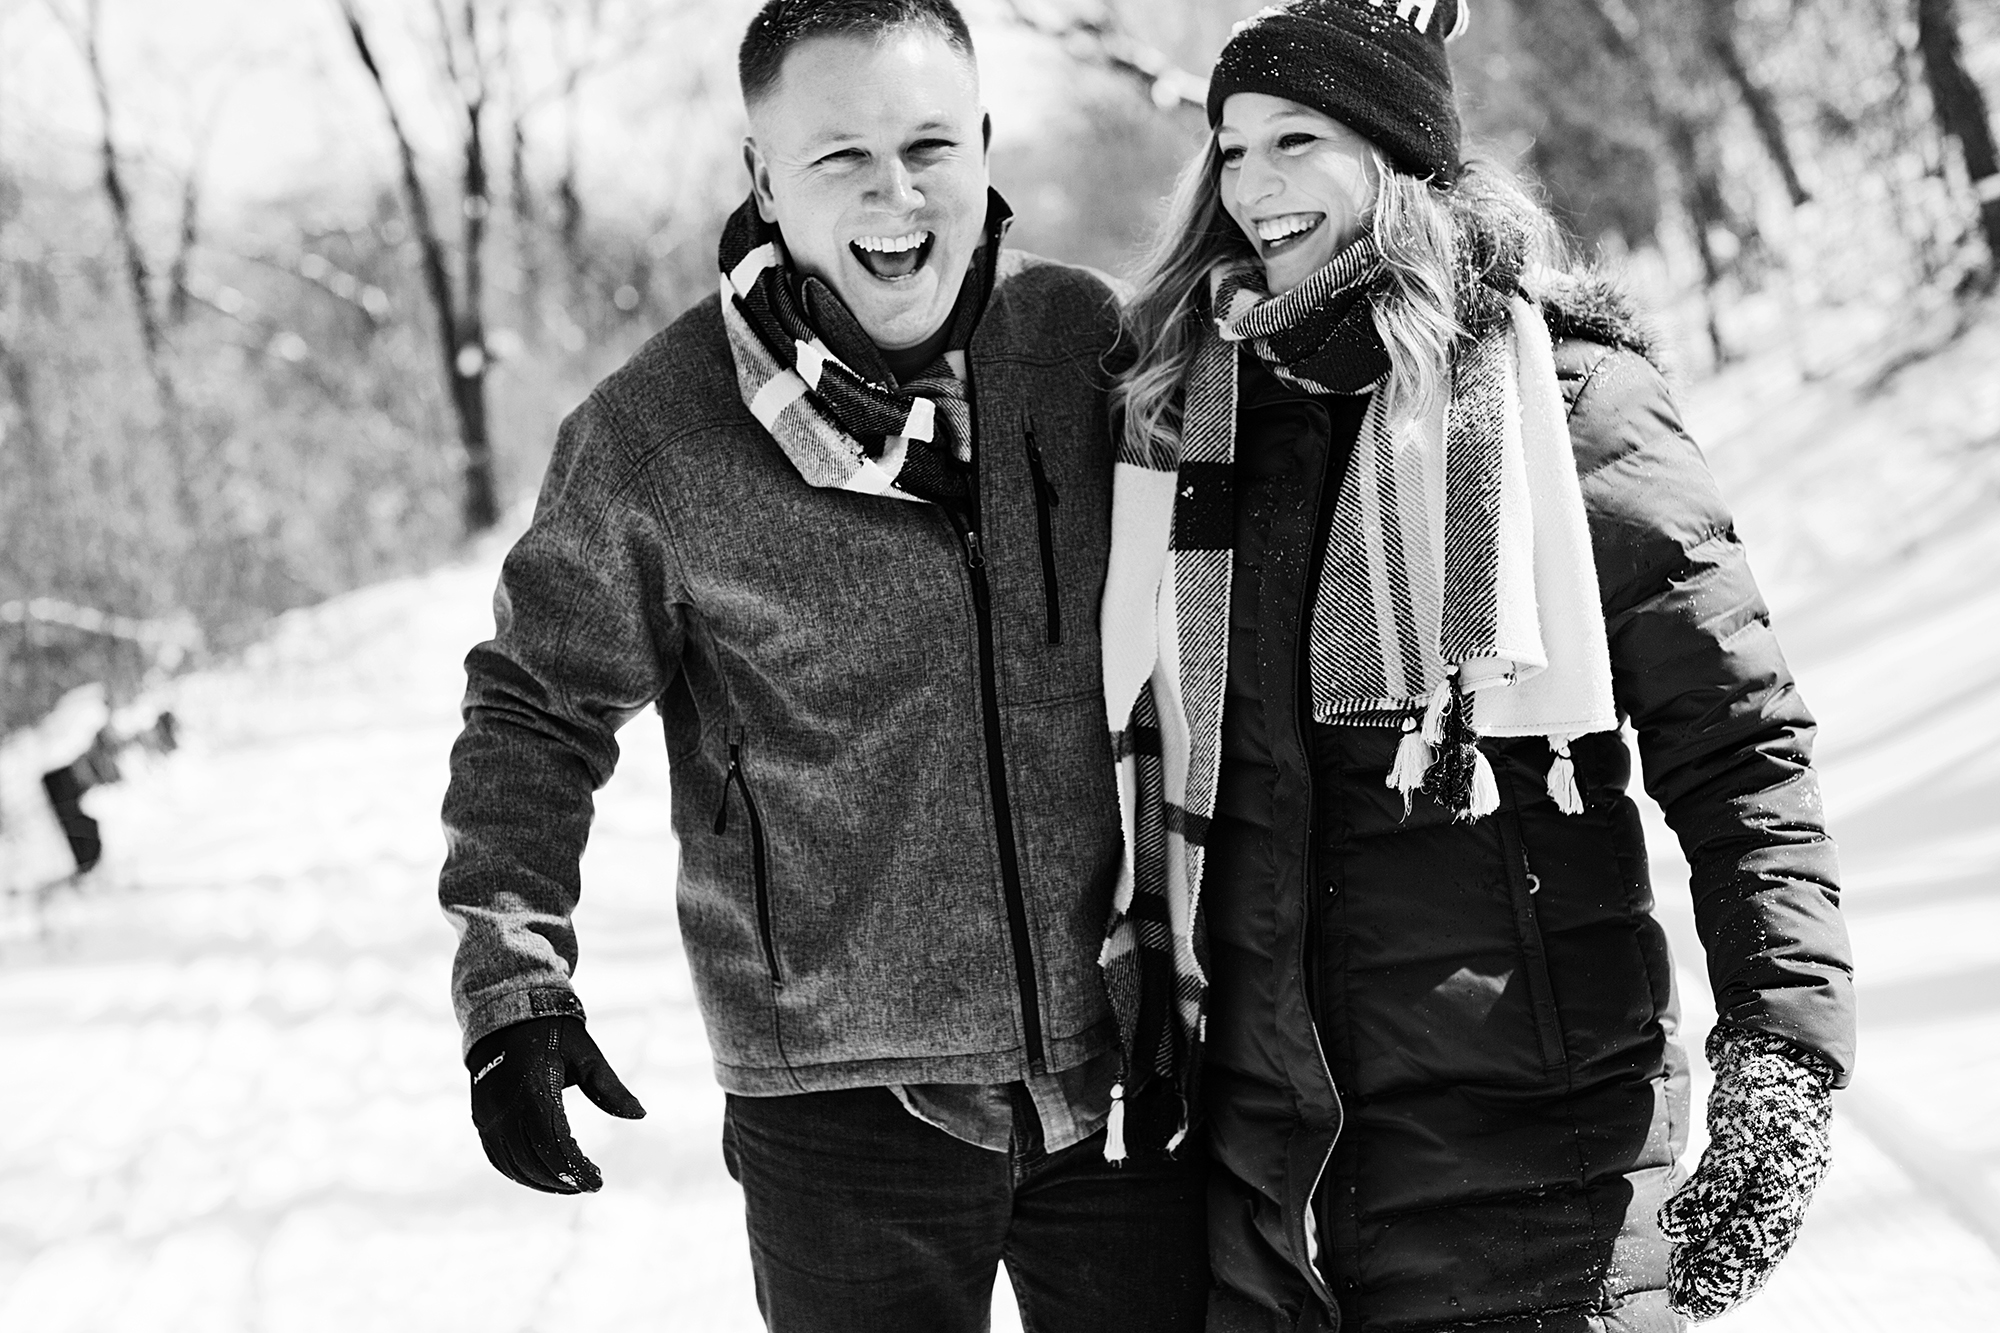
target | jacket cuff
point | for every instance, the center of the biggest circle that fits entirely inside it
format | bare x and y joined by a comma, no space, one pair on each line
1728,1044
517,1007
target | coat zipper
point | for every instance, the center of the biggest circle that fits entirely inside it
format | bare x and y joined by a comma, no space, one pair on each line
1524,884
761,879
1308,952
967,526
1046,500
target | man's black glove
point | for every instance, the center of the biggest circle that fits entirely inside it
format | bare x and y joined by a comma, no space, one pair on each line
518,1076
1735,1218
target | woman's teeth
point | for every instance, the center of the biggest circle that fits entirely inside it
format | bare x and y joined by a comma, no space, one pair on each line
1276,231
892,256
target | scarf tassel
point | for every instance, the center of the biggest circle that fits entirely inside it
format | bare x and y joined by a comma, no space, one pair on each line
1439,709
1114,1127
1562,780
1413,764
1453,767
1484,798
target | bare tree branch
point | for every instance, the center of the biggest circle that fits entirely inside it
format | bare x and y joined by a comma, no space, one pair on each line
1961,112
86,31
482,504
460,338
1720,37
437,280
447,48
1685,138
201,135
1102,40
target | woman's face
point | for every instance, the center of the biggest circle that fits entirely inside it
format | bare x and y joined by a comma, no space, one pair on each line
1299,183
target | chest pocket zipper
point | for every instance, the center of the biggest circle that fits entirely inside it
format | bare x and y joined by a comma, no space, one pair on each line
1525,884
1046,500
760,876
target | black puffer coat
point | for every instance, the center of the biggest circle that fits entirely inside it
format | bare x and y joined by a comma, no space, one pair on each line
1445,1049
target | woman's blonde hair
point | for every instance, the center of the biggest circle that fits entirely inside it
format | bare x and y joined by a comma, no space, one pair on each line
1437,244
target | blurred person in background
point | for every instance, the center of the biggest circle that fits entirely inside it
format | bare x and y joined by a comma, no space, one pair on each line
1406,526
845,527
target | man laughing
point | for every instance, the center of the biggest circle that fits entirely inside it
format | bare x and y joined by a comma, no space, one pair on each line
845,526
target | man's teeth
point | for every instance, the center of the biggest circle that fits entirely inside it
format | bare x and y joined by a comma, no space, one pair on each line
1277,229
892,245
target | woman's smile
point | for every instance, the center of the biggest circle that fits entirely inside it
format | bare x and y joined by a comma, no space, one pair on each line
1277,235
1298,184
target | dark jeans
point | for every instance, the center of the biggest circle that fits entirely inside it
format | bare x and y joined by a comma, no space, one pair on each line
864,1218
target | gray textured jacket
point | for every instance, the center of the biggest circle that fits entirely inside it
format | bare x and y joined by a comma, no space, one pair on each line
892,785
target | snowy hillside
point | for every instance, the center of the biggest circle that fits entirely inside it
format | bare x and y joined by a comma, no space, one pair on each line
237,1103
247,1110
1870,500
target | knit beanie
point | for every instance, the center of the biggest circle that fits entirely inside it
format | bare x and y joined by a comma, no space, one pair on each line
1376,66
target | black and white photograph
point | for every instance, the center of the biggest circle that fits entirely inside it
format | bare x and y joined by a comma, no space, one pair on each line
1035,666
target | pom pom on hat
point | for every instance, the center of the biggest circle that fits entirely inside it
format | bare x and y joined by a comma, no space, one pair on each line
1376,66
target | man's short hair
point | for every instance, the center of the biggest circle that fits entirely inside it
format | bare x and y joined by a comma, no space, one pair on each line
782,24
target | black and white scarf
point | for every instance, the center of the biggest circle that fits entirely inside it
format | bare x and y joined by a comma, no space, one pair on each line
1459,564
815,380
1320,336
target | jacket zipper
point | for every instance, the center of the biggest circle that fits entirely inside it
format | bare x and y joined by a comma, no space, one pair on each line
967,527
1308,944
761,879
1046,500
1524,884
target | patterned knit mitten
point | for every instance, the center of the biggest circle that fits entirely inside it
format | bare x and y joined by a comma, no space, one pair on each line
1737,1216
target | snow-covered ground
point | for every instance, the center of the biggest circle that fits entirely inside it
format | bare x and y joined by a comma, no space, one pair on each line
236,1102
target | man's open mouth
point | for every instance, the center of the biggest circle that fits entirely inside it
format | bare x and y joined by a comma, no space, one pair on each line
1279,234
892,258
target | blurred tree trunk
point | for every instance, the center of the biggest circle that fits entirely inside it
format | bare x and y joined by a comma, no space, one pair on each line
482,501
527,247
19,378
1686,139
87,32
575,56
569,200
178,297
1701,196
1961,111
138,273
461,340
1719,35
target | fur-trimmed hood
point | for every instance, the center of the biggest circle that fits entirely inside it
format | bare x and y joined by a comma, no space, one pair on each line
1587,304
1494,240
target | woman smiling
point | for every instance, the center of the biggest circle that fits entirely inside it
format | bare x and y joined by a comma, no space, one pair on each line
1406,528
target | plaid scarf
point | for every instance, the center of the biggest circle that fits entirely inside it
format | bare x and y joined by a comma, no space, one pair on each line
1320,336
1429,594
814,379
1459,561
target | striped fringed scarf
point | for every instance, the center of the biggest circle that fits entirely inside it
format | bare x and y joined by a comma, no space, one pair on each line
1320,336
810,376
1459,562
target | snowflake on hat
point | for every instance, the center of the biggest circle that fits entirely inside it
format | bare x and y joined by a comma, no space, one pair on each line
1419,13
1376,66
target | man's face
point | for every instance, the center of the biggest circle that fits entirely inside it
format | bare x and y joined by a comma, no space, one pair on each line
870,155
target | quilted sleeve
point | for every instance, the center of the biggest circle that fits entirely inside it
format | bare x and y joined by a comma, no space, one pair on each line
1724,738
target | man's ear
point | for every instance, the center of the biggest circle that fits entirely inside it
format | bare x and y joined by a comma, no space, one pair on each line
986,131
760,180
